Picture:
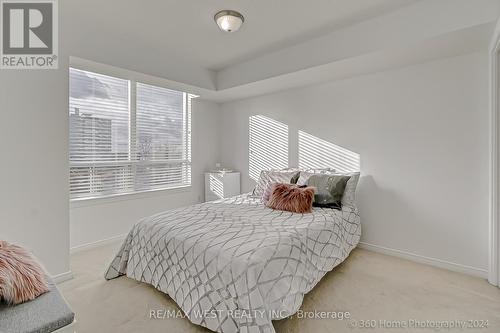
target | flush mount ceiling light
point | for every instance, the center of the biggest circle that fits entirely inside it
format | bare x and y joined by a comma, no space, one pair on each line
229,20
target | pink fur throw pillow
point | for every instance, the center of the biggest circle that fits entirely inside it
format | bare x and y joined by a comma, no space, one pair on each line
291,198
22,278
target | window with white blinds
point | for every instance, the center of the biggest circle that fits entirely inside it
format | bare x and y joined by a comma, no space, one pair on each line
126,137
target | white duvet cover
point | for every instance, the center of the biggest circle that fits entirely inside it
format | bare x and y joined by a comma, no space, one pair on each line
234,265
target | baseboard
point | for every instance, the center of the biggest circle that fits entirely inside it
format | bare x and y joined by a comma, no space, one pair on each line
96,244
59,278
479,272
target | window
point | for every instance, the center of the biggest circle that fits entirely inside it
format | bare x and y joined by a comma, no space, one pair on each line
126,136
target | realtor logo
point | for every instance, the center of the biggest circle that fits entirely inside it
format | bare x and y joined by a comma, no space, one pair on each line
29,34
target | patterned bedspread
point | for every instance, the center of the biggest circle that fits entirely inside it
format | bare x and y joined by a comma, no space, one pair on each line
234,265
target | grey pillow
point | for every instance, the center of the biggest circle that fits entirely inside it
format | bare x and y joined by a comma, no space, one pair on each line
329,189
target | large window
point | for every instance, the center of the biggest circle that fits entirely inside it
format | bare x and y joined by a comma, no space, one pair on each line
126,136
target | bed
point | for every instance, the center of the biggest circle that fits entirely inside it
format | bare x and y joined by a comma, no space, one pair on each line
234,265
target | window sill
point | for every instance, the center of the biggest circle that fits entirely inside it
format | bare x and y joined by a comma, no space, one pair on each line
103,200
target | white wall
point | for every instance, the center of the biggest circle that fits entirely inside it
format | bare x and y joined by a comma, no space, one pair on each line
422,132
34,197
34,163
101,219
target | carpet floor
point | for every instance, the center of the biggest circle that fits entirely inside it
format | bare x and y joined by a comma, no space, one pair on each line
380,293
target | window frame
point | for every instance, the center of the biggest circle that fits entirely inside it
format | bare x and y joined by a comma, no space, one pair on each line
186,182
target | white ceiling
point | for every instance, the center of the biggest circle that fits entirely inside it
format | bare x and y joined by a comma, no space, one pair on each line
185,28
282,44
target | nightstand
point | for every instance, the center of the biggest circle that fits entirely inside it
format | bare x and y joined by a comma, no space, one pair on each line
220,185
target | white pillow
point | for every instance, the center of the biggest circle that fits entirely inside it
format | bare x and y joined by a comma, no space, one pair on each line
350,189
306,173
315,170
272,176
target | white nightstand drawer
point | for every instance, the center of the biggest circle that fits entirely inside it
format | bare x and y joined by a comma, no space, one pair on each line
220,185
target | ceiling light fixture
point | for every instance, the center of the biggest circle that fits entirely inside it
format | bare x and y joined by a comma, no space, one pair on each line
229,20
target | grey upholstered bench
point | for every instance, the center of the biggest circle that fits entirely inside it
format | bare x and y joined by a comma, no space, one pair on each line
47,313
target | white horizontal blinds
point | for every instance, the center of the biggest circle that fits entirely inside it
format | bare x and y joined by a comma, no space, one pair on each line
187,138
126,137
99,117
162,138
99,135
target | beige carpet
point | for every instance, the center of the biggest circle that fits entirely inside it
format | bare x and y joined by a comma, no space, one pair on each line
376,290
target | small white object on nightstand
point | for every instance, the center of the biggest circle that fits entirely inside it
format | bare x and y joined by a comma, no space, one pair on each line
220,185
